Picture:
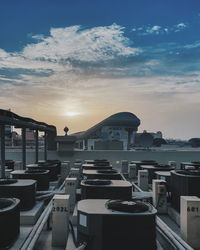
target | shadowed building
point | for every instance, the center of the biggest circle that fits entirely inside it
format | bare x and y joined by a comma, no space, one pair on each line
116,132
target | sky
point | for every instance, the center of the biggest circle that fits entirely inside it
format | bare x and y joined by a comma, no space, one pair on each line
73,62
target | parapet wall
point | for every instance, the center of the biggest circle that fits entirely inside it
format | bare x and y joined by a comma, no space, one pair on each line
114,156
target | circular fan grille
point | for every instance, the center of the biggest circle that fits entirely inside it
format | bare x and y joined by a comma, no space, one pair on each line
131,206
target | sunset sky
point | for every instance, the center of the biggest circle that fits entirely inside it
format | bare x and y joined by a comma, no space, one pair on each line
73,62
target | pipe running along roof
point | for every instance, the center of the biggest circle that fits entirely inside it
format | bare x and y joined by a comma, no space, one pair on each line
9,118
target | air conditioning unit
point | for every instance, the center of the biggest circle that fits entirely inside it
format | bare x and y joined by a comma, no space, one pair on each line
88,162
190,165
24,190
9,221
98,162
56,163
101,162
40,175
116,225
152,169
165,176
184,183
102,174
53,169
10,164
144,162
94,167
106,189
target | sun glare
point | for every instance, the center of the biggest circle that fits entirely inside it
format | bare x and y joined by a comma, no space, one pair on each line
71,113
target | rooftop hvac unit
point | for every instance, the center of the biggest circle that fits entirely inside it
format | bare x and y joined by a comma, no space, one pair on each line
116,225
101,163
58,162
152,169
24,190
88,162
166,176
190,165
53,169
94,167
40,175
106,189
102,174
184,183
196,162
10,164
144,162
9,221
51,162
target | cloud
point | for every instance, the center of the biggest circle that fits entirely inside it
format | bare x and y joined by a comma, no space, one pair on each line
81,69
72,50
159,30
193,45
179,27
84,45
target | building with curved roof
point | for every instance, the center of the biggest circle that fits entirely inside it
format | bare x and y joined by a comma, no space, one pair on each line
115,132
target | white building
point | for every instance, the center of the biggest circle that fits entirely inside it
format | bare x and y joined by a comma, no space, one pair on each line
116,132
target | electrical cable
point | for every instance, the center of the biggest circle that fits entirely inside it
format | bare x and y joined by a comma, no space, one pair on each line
73,234
81,247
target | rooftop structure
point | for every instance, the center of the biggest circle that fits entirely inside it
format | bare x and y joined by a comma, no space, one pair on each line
115,132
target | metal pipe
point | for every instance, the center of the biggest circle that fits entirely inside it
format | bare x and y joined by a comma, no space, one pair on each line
169,245
45,145
123,177
135,186
174,235
49,192
24,148
3,175
10,118
37,229
36,146
44,197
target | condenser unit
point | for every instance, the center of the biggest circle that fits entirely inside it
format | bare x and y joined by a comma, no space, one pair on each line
106,189
152,169
116,225
184,183
102,174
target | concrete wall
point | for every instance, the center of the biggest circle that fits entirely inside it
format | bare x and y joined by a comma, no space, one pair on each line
113,156
108,145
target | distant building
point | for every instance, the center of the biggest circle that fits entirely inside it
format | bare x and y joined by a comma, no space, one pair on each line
116,132
8,135
30,137
13,139
155,135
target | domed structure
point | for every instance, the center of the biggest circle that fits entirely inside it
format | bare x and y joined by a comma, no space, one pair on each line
115,132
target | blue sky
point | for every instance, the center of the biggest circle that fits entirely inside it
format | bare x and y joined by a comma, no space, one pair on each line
95,58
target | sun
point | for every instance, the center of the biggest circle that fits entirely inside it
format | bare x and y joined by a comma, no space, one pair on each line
72,113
